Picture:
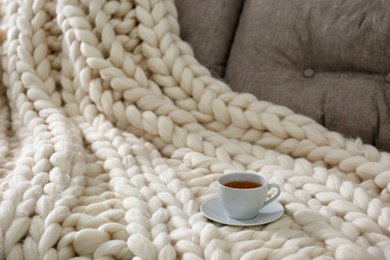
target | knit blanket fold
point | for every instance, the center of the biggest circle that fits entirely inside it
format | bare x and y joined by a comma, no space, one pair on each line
112,135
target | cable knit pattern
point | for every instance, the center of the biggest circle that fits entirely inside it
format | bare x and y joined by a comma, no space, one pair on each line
113,134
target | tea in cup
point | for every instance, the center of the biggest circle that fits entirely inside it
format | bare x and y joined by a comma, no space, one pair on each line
243,194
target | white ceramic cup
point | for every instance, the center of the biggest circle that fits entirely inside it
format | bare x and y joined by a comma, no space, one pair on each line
245,203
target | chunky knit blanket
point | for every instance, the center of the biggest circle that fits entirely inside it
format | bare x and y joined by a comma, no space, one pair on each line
112,135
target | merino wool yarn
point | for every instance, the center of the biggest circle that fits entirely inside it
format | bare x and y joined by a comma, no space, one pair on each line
112,135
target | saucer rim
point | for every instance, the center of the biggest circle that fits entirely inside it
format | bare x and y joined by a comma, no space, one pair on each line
243,223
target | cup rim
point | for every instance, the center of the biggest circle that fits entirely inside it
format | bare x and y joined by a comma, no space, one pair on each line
227,175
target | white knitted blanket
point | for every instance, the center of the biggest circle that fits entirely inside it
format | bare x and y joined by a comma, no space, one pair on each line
112,135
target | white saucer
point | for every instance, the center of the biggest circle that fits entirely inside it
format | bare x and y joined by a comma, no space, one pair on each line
214,210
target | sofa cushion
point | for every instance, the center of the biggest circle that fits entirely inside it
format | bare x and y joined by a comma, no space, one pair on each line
327,59
209,26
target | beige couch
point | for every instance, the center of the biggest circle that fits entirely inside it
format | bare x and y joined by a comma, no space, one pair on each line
327,59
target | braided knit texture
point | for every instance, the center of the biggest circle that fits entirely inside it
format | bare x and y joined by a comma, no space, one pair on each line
112,135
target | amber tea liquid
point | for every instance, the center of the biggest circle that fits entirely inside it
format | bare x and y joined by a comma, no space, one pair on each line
242,184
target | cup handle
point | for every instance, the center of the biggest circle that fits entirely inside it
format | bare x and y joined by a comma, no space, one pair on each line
273,198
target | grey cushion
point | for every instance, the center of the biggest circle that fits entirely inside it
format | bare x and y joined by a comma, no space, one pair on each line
209,27
327,59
